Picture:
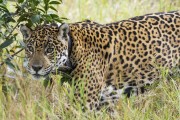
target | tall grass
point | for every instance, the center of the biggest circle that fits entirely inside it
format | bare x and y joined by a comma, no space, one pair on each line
27,99
105,11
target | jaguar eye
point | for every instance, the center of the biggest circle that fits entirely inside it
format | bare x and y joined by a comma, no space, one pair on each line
49,50
30,48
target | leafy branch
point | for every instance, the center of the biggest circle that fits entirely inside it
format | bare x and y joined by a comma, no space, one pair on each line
10,57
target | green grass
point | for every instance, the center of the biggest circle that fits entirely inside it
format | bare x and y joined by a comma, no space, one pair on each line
27,99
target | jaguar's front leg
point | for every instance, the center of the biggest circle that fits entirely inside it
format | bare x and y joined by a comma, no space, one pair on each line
88,82
86,93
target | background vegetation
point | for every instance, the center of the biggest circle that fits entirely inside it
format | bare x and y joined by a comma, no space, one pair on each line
23,98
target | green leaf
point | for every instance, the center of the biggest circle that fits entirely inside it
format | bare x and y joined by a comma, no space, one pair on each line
23,17
3,7
54,16
20,1
6,43
10,64
63,18
54,2
46,1
35,18
47,18
7,51
29,24
7,18
15,34
41,10
36,2
58,20
53,8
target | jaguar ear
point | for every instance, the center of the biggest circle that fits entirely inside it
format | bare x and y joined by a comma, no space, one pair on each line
26,32
63,33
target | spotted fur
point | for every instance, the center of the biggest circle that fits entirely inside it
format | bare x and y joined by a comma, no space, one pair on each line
110,59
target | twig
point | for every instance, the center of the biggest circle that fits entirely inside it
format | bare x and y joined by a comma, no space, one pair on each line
12,31
9,58
15,52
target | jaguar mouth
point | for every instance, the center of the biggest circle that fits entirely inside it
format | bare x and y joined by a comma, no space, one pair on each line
38,76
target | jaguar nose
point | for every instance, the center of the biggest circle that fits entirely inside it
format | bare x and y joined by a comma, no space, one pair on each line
36,68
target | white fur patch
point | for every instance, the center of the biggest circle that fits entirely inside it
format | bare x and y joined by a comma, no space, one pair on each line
62,59
109,94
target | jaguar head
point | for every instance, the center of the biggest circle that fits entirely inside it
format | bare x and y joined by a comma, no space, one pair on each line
46,48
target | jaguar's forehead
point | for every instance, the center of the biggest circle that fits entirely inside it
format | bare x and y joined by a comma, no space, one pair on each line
45,30
43,34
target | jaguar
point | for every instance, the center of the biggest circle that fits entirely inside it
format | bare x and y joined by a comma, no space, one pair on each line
111,60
